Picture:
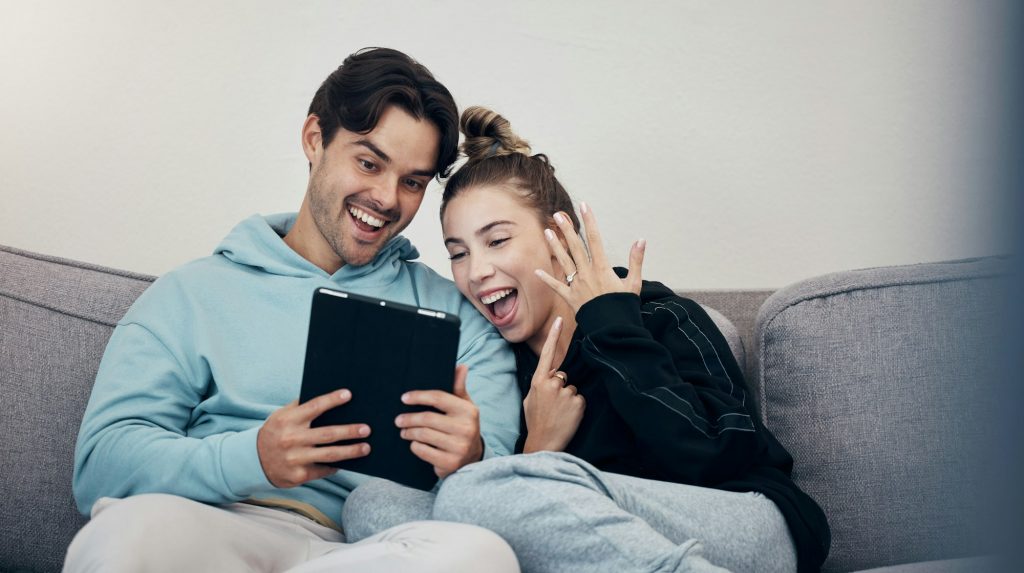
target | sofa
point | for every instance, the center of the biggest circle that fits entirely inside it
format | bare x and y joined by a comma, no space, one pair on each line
875,380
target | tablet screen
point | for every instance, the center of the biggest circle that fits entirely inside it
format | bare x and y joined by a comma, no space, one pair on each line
378,350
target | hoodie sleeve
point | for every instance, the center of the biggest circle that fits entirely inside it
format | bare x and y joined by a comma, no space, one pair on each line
674,382
133,437
491,383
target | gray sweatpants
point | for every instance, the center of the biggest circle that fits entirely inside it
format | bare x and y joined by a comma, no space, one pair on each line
561,514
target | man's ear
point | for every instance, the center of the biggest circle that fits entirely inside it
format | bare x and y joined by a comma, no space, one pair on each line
312,139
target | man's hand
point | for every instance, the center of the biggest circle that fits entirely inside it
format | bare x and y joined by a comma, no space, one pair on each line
287,445
447,440
552,408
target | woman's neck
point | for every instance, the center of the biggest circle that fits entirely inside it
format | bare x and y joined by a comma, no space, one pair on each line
536,343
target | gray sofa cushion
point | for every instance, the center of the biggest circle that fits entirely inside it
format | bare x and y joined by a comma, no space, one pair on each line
876,381
55,319
966,565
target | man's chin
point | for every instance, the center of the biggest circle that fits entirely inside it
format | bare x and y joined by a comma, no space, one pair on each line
361,254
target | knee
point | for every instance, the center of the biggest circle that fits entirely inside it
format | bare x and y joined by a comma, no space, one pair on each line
380,504
130,532
473,491
493,491
455,547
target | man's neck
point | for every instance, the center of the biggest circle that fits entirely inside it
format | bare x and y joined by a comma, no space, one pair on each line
305,239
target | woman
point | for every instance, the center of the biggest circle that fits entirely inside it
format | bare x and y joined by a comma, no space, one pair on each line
650,456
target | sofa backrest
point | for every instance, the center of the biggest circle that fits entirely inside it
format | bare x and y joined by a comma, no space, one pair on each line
879,382
55,319
56,316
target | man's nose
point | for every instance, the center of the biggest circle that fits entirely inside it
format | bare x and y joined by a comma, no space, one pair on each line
385,192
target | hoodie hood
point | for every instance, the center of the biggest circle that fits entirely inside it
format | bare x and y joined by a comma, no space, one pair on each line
258,242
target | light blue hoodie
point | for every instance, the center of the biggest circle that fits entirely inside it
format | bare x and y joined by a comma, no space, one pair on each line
213,347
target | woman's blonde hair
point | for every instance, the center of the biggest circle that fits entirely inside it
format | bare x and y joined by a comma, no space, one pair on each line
497,156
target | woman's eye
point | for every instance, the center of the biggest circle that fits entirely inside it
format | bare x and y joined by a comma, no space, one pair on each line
497,242
456,256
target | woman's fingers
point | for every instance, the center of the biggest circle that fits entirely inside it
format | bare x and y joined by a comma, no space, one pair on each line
547,352
594,240
556,285
576,247
568,263
636,263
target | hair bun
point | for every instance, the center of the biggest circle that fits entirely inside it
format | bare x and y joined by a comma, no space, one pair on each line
489,134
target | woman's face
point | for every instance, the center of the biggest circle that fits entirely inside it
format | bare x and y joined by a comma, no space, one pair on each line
495,243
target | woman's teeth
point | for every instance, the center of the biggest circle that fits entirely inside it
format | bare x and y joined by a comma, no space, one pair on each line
366,217
496,296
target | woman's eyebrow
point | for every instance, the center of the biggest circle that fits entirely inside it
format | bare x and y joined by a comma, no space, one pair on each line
490,226
480,231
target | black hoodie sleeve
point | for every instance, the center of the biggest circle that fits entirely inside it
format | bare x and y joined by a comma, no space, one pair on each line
671,377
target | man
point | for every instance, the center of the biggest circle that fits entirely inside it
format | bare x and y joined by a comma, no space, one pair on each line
194,454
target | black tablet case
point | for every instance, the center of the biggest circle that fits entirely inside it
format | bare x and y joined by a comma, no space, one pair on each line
378,350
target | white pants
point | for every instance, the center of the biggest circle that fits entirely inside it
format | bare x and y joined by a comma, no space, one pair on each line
158,532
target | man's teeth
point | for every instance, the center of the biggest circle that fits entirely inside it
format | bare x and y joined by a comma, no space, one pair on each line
495,297
366,217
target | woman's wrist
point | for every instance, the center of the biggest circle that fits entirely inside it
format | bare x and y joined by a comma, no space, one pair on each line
534,444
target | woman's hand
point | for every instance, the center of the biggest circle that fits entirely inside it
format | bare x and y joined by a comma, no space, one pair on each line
588,275
552,408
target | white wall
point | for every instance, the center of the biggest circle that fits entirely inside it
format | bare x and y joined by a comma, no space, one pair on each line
752,143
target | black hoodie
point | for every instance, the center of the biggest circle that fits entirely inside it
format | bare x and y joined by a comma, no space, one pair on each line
667,401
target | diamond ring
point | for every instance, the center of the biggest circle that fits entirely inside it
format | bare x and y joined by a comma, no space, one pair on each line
570,277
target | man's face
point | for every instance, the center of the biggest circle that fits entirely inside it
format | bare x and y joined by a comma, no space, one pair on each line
365,188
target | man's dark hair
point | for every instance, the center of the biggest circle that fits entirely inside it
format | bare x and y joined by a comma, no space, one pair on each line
355,95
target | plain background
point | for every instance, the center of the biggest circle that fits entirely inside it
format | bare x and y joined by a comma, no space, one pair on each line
753,144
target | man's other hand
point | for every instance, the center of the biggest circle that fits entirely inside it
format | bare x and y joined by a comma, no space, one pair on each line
446,440
288,446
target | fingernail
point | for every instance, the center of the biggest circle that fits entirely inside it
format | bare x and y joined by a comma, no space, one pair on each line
559,218
538,272
584,208
402,434
405,398
345,394
641,244
366,448
364,430
398,421
549,233
558,323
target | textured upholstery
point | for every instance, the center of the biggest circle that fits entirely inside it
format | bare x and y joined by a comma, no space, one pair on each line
876,381
966,565
55,319
858,370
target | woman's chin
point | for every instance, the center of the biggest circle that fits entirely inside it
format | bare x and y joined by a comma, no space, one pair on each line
512,334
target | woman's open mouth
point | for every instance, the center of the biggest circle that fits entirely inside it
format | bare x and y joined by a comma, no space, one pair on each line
501,305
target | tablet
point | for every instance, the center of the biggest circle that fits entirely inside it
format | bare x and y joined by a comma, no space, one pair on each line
379,350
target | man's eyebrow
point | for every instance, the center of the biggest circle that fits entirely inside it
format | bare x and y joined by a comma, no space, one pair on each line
376,150
387,158
480,231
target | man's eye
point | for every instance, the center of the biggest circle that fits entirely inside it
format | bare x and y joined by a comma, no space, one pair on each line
367,165
456,256
413,184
